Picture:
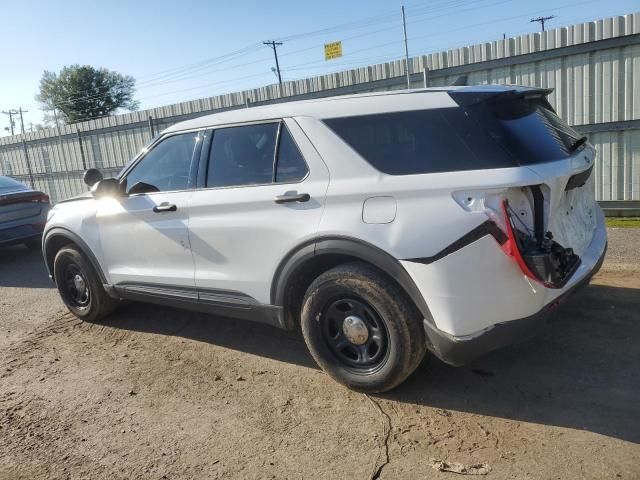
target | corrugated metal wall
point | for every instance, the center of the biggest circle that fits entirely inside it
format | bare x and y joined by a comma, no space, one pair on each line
594,69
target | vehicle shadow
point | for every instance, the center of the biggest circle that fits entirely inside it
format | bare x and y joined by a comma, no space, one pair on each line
242,335
23,268
581,373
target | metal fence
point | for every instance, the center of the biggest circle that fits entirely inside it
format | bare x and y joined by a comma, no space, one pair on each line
594,69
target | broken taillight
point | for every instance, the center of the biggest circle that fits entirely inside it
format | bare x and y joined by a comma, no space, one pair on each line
540,259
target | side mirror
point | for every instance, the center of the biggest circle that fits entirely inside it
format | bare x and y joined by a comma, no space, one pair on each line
91,177
109,187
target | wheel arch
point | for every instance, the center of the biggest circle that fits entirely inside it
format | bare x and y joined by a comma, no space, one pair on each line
59,237
305,262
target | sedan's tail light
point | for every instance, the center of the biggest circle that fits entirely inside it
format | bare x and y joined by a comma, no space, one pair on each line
35,197
40,198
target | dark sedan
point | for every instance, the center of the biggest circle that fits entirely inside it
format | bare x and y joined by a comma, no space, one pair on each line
23,213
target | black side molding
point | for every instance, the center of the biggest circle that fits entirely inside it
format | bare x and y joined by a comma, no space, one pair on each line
225,303
486,228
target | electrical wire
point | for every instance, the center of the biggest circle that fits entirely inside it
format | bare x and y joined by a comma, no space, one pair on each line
163,80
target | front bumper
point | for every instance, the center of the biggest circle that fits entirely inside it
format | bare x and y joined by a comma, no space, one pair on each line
459,351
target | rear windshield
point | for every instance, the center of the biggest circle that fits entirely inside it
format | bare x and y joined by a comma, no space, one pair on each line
526,126
482,133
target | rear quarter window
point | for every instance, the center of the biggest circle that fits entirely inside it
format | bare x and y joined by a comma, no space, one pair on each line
421,141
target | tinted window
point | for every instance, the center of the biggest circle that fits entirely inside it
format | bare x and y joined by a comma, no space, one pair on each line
421,141
523,124
291,167
242,155
166,167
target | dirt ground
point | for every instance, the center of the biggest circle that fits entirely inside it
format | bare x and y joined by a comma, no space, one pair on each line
160,393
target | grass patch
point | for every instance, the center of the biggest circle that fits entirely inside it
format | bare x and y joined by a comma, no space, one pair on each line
623,222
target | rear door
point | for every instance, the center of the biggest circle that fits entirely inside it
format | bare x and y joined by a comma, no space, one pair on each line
144,234
263,193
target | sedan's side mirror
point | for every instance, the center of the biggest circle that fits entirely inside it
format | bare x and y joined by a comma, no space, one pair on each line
92,176
109,187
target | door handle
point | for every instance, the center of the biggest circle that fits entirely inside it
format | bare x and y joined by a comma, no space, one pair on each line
165,207
292,197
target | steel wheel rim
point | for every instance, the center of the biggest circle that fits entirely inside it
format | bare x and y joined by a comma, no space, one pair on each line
366,357
76,286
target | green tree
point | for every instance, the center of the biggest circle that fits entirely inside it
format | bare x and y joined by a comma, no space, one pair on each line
81,92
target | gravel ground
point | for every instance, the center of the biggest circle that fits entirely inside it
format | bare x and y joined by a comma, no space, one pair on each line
624,246
160,393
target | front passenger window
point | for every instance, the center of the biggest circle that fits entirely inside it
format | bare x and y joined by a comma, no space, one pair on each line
166,167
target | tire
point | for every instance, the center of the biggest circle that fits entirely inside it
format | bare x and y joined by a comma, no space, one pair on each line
364,298
72,272
34,244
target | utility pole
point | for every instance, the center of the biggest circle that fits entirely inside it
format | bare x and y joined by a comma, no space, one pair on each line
11,113
406,48
273,44
542,20
21,111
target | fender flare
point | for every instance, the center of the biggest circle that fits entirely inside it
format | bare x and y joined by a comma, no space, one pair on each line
49,255
297,257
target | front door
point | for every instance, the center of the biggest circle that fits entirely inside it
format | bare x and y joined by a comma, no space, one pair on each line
264,193
144,234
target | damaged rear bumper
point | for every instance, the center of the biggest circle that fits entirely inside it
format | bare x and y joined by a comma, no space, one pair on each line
461,350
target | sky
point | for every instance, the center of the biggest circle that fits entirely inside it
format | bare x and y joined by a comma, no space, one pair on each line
188,49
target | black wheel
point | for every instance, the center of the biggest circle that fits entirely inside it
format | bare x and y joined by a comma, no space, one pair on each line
34,243
361,328
80,286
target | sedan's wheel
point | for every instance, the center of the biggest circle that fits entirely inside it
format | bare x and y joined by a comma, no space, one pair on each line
361,328
80,287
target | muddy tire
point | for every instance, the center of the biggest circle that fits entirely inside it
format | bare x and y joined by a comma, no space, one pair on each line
80,286
361,328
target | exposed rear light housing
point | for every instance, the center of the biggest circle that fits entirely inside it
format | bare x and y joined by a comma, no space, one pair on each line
540,259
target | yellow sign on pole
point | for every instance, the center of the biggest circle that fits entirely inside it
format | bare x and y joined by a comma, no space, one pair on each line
332,50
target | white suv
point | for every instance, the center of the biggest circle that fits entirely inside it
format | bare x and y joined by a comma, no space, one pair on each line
382,224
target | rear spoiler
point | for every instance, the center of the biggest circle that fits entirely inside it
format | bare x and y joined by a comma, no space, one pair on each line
464,97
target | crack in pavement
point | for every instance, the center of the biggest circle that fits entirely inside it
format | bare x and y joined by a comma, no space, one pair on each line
386,430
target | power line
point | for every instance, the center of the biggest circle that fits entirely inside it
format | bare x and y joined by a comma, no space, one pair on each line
542,20
163,77
178,75
21,111
11,113
406,48
273,44
220,59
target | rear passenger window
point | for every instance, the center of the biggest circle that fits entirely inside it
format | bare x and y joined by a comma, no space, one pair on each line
291,167
246,156
242,155
416,142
